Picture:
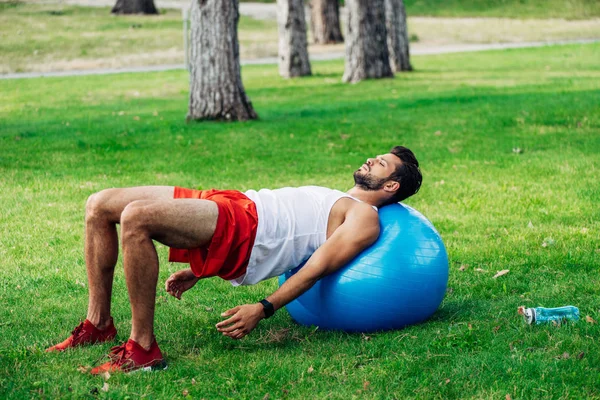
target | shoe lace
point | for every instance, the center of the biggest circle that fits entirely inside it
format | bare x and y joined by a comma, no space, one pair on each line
120,356
78,332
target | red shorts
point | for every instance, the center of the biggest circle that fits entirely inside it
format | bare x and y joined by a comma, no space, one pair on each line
229,250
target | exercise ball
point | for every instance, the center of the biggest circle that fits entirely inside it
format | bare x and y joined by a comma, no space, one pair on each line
400,280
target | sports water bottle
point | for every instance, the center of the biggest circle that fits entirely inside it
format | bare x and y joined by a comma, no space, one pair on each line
541,315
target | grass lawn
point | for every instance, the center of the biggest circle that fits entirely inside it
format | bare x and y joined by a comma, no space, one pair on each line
500,8
571,9
69,37
508,142
56,37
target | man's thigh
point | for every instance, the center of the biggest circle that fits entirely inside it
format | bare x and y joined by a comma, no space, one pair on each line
178,223
112,202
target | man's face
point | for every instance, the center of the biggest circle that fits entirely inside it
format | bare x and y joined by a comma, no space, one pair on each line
374,173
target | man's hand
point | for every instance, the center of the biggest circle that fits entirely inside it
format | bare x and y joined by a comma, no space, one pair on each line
242,321
180,281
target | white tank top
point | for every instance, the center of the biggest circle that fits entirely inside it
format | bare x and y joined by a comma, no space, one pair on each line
292,224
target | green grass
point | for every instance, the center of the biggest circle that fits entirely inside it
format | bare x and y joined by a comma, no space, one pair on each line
570,9
464,115
573,9
71,37
57,37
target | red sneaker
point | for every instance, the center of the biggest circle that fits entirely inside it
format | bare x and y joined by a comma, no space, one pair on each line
131,357
86,333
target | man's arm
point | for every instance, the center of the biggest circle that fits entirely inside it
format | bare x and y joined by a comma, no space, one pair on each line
359,230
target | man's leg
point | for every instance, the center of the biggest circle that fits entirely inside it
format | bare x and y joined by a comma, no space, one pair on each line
103,213
179,223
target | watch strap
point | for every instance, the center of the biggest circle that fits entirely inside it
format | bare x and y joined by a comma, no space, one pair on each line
268,308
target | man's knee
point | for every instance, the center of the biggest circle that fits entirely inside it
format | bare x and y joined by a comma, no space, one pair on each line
96,206
134,218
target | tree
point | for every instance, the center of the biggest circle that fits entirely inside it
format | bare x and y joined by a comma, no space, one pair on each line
293,47
134,7
325,21
397,38
367,53
216,89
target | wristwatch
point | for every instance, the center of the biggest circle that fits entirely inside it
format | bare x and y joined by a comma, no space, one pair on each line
268,308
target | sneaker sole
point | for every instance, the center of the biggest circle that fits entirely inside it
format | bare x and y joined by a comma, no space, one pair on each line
158,367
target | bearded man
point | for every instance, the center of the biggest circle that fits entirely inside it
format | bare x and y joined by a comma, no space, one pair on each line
241,237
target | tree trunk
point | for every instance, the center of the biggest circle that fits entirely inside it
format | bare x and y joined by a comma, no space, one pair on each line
397,39
216,89
293,48
134,7
367,53
325,21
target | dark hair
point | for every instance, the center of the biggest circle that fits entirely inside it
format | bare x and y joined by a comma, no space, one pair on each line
407,174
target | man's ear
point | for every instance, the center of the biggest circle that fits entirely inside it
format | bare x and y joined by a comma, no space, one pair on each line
391,186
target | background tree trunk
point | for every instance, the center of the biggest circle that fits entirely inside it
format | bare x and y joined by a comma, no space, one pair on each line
293,47
397,39
366,41
325,21
216,90
134,7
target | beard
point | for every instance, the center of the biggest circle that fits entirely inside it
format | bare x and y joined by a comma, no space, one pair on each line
367,181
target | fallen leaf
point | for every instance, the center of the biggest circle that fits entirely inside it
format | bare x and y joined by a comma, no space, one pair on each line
479,270
366,385
83,369
185,392
310,369
438,133
548,242
566,355
447,381
136,118
500,273
106,375
580,355
193,381
105,387
507,397
462,267
590,319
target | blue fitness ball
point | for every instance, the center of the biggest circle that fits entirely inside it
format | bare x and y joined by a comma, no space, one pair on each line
400,280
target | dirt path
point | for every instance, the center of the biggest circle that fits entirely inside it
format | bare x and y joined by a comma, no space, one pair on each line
315,57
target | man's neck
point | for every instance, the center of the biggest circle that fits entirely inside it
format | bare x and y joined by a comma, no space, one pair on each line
371,197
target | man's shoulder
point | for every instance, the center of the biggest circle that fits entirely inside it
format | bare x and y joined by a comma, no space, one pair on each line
359,209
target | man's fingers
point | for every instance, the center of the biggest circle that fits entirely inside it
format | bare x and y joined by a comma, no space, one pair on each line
227,322
238,334
231,311
231,328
